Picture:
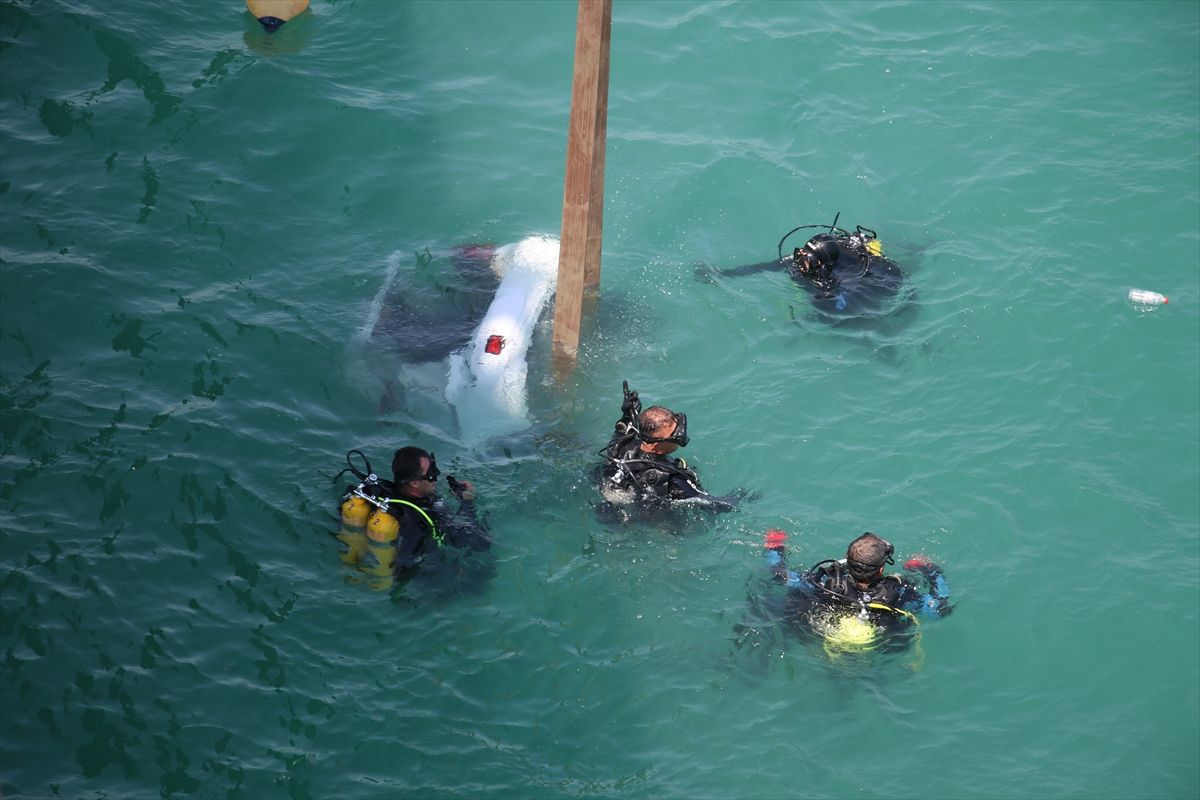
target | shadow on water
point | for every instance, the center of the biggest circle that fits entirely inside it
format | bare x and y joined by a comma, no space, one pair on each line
122,64
291,37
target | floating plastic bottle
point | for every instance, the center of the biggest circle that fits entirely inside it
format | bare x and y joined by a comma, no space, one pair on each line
1147,298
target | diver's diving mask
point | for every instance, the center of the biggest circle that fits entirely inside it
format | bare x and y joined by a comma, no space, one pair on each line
863,571
431,474
678,436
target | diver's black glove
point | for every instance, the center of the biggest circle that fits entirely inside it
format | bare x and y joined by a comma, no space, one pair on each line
706,273
631,405
743,495
730,501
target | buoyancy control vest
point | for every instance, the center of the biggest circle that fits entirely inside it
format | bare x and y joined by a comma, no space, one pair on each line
627,466
880,602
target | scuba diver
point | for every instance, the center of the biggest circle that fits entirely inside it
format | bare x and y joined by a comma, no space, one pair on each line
638,471
845,274
850,604
390,528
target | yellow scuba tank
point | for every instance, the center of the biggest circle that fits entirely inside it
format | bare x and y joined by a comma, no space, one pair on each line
382,530
856,634
848,634
875,248
353,534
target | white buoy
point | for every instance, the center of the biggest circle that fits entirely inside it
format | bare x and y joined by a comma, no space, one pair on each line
486,383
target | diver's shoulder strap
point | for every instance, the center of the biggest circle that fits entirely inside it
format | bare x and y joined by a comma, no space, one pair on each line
437,536
829,566
878,606
619,441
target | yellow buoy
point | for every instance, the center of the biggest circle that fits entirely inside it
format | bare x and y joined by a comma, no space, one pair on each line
273,13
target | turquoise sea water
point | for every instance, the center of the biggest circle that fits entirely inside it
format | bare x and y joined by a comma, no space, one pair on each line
195,218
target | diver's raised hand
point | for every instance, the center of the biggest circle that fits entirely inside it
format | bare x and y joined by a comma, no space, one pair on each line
921,564
631,405
775,539
463,490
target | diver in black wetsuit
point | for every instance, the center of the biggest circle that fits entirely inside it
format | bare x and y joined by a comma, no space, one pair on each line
425,520
392,528
846,274
851,601
638,472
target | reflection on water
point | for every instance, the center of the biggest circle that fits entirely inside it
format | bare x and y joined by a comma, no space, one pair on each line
291,38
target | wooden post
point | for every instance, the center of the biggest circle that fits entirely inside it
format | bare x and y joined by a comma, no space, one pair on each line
583,187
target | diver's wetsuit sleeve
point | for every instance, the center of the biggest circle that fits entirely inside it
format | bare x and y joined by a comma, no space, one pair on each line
777,563
681,487
467,530
750,269
935,602
684,484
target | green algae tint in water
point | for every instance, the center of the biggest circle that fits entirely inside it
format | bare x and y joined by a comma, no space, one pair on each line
195,218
